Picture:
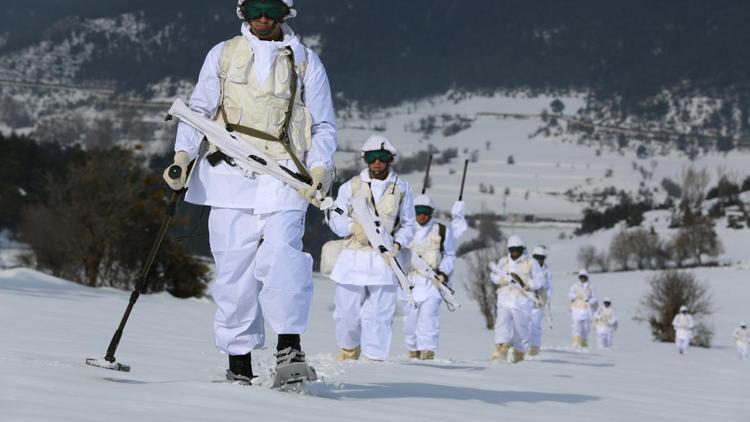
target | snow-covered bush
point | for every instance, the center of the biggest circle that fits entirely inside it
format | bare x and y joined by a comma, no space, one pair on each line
478,284
95,225
586,256
696,239
668,291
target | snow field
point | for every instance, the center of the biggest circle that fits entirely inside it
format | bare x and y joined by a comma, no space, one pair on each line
51,325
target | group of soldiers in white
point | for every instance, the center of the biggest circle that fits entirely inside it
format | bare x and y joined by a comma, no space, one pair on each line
273,92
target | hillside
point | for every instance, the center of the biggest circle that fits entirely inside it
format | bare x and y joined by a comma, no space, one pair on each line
677,66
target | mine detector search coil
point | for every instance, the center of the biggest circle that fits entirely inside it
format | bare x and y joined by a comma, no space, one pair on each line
109,361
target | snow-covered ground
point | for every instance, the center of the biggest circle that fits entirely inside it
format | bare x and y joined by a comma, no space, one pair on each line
546,164
49,326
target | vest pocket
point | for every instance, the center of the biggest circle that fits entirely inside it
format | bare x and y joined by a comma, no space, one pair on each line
234,114
238,73
281,81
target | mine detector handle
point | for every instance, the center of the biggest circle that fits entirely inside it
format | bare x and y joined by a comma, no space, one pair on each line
175,172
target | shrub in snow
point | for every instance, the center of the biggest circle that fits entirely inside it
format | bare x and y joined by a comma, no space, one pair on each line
668,291
671,188
586,256
96,223
481,289
695,239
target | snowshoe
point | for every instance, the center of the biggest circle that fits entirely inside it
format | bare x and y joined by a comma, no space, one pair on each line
240,369
292,370
240,379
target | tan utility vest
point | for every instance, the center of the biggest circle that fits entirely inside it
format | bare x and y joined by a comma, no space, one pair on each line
388,207
682,322
582,295
742,336
263,107
431,247
603,317
522,269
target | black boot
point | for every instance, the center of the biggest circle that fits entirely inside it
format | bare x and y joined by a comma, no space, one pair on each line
240,368
288,340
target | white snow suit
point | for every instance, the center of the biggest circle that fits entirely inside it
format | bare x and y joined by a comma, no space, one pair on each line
683,326
366,287
741,338
605,323
256,223
513,322
582,299
422,325
544,294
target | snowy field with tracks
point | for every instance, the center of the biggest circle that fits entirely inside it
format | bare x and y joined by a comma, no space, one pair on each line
49,326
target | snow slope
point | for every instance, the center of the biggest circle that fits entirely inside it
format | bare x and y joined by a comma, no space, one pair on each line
547,164
49,326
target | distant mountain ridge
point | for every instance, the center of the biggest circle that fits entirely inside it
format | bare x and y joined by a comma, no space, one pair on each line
638,60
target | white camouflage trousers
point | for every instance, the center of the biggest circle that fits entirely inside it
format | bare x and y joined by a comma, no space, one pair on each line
261,275
581,328
742,350
513,323
537,316
364,317
604,339
422,324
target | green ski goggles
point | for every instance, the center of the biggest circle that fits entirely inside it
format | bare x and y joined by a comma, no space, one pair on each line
383,155
423,209
272,9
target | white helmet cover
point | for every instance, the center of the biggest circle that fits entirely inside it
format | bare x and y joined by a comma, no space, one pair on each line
539,250
515,242
424,200
290,3
683,308
607,299
583,273
377,142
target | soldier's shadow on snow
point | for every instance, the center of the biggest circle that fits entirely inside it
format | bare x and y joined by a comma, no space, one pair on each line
447,366
400,390
568,362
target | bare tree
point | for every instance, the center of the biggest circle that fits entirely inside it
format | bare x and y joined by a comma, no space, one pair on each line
586,256
696,239
694,184
670,290
602,261
620,250
479,285
643,246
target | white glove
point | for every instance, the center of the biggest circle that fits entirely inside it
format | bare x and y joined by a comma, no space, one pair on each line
458,209
318,175
181,160
358,234
394,250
